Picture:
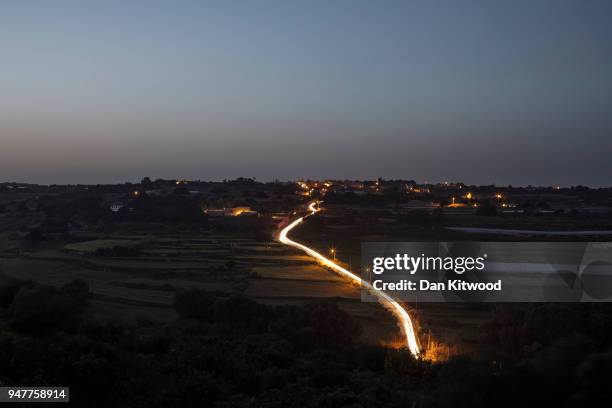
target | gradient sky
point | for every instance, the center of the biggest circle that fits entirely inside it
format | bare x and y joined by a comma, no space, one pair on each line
498,92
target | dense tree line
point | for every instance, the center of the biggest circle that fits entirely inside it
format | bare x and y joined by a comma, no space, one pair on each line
230,351
91,207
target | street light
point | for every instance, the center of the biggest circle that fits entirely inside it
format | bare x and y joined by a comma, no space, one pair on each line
333,252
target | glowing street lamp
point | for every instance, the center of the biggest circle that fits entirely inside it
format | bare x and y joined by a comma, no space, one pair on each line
332,251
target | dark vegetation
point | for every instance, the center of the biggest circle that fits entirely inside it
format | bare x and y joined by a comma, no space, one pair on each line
486,208
89,208
229,351
61,215
118,251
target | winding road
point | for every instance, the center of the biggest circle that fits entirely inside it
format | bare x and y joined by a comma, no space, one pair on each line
387,301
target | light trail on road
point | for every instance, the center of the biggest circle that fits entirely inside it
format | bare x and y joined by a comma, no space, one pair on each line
386,300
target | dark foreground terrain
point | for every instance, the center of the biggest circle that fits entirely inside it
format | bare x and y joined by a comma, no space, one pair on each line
161,304
233,352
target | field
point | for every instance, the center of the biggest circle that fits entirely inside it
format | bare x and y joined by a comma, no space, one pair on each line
457,327
142,286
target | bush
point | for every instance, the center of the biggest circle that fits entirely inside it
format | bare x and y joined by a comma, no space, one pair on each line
401,362
332,325
317,324
8,289
78,289
195,304
42,310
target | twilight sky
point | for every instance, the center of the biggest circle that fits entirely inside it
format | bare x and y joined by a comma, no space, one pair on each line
485,91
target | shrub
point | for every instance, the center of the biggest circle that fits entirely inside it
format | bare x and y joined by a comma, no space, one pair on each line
78,290
195,304
42,310
8,289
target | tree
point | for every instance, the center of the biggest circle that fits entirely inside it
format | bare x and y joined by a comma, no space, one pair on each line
42,310
331,325
78,289
8,289
401,362
195,304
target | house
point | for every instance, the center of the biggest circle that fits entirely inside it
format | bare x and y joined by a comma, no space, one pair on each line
240,211
231,212
115,207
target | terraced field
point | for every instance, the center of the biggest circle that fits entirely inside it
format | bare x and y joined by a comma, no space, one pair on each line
143,286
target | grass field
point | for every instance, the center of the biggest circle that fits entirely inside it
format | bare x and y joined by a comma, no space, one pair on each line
142,287
89,247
